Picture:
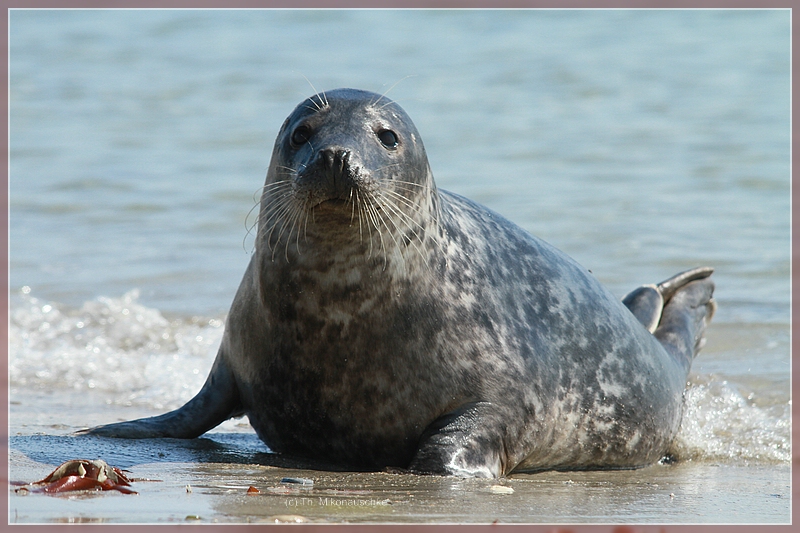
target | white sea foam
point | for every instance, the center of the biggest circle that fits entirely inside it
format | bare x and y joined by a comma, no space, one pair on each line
110,345
719,424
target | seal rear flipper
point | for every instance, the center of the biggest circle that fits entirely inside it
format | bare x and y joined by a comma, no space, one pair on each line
462,443
685,318
646,303
670,286
216,402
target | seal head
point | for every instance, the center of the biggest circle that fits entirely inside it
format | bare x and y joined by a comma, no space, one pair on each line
343,161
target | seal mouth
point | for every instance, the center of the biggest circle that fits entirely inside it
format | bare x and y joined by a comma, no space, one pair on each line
334,203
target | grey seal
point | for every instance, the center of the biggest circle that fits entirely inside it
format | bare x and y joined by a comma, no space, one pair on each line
382,323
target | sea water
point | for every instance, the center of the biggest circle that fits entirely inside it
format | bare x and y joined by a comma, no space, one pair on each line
640,142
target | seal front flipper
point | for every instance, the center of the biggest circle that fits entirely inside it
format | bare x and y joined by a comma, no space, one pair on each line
463,443
216,402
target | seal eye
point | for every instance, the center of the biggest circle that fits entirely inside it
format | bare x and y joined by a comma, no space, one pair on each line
301,135
388,138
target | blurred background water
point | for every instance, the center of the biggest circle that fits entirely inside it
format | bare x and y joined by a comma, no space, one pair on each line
641,143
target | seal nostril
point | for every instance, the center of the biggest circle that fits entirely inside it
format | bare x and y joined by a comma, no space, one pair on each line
337,160
342,160
327,156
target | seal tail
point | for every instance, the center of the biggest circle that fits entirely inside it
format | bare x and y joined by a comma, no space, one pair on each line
688,309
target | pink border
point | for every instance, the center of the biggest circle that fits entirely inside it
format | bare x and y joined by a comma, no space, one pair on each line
11,4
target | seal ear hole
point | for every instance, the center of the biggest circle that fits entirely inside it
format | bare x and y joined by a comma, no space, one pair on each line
388,138
301,135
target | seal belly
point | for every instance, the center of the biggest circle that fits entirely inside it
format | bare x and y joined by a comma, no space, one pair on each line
341,385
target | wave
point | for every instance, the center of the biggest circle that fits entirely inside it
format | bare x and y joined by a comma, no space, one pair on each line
111,345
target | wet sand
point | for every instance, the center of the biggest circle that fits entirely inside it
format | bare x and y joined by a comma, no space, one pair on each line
206,480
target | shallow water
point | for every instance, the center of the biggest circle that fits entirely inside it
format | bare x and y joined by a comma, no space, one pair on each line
639,142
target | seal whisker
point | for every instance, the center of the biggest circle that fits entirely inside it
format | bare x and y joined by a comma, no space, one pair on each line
357,207
398,250
376,217
266,215
352,205
363,223
273,202
279,216
249,227
379,169
434,234
273,215
275,197
272,221
396,214
276,188
385,203
417,191
288,223
305,225
295,221
372,104
408,219
317,94
428,191
302,212
412,185
408,203
404,199
391,197
281,187
371,216
365,211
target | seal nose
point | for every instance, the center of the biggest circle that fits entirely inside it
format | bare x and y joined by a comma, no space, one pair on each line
336,159
338,172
